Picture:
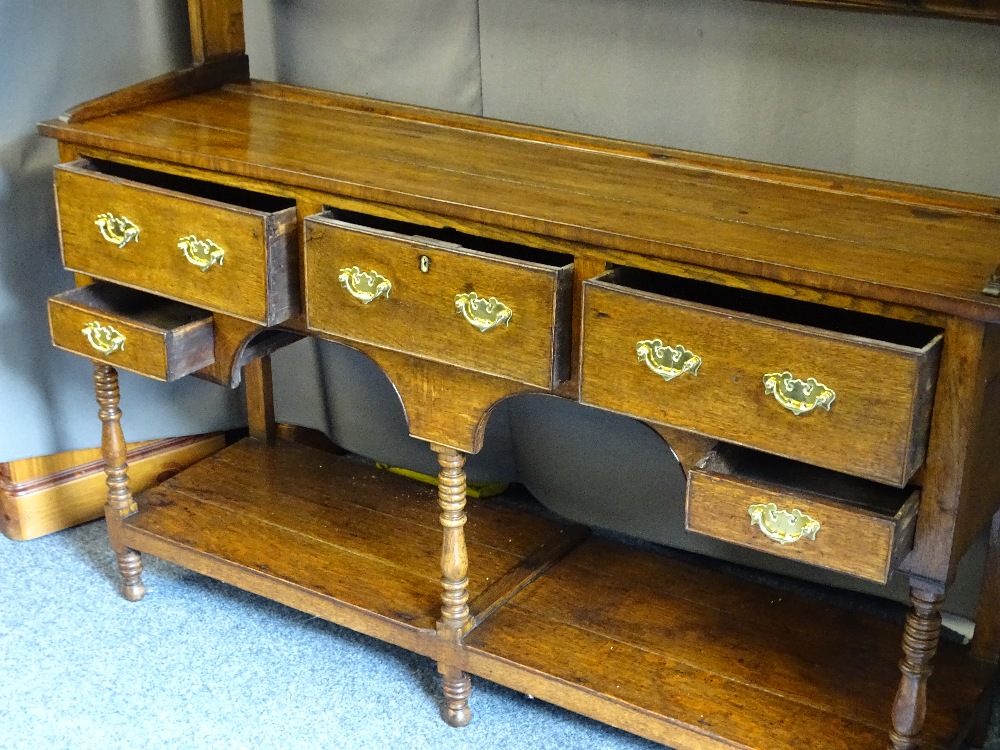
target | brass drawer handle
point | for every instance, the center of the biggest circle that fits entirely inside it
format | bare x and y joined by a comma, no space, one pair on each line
364,286
105,339
117,230
668,362
201,253
782,526
798,396
484,314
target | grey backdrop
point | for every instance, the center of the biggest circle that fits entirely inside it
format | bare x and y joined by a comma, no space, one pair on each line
896,98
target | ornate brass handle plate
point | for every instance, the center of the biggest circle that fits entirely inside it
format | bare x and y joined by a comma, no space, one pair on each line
484,314
364,286
782,526
201,253
117,230
798,396
668,362
105,339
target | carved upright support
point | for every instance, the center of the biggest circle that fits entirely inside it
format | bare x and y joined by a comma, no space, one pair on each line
120,502
920,641
455,620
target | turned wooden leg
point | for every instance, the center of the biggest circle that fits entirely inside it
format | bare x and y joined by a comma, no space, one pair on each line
920,640
455,620
120,502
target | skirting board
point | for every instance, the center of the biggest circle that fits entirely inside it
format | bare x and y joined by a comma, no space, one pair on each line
45,494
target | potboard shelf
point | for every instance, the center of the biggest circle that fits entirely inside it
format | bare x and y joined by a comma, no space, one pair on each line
666,644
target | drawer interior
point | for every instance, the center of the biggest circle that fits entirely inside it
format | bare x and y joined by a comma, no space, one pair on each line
189,186
139,307
450,237
785,309
750,466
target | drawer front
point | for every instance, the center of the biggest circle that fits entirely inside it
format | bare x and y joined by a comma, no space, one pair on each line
442,302
218,256
743,379
788,521
131,330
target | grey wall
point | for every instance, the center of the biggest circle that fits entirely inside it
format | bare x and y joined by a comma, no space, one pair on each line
905,99
52,56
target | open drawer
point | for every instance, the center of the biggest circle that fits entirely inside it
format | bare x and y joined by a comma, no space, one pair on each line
132,330
479,304
221,248
801,512
840,389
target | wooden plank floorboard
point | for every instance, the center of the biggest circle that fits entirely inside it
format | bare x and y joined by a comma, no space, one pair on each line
852,678
609,671
501,523
316,510
360,581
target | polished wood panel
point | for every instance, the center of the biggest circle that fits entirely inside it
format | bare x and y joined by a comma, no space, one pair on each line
209,75
925,248
256,279
360,546
865,528
216,29
259,389
60,498
163,339
876,427
422,385
532,346
671,639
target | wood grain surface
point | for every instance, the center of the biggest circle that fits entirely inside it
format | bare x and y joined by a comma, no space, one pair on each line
693,657
254,280
165,340
876,427
419,314
880,240
359,545
864,541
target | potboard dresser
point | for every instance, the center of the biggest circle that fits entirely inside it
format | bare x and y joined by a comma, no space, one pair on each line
820,352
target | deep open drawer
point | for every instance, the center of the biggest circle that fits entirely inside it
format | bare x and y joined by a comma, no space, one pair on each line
839,389
217,247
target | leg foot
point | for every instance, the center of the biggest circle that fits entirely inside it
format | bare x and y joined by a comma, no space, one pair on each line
457,688
130,567
920,640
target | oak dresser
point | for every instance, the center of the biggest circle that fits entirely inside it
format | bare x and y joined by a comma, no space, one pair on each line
820,352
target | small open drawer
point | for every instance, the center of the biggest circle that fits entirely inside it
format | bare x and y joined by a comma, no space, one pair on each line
480,304
801,512
222,248
132,330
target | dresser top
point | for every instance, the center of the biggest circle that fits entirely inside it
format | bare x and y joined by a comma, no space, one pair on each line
904,244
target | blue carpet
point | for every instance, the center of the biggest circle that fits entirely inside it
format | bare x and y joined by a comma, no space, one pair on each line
200,664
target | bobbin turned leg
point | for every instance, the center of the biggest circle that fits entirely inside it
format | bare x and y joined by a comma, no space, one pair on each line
119,503
920,641
455,620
